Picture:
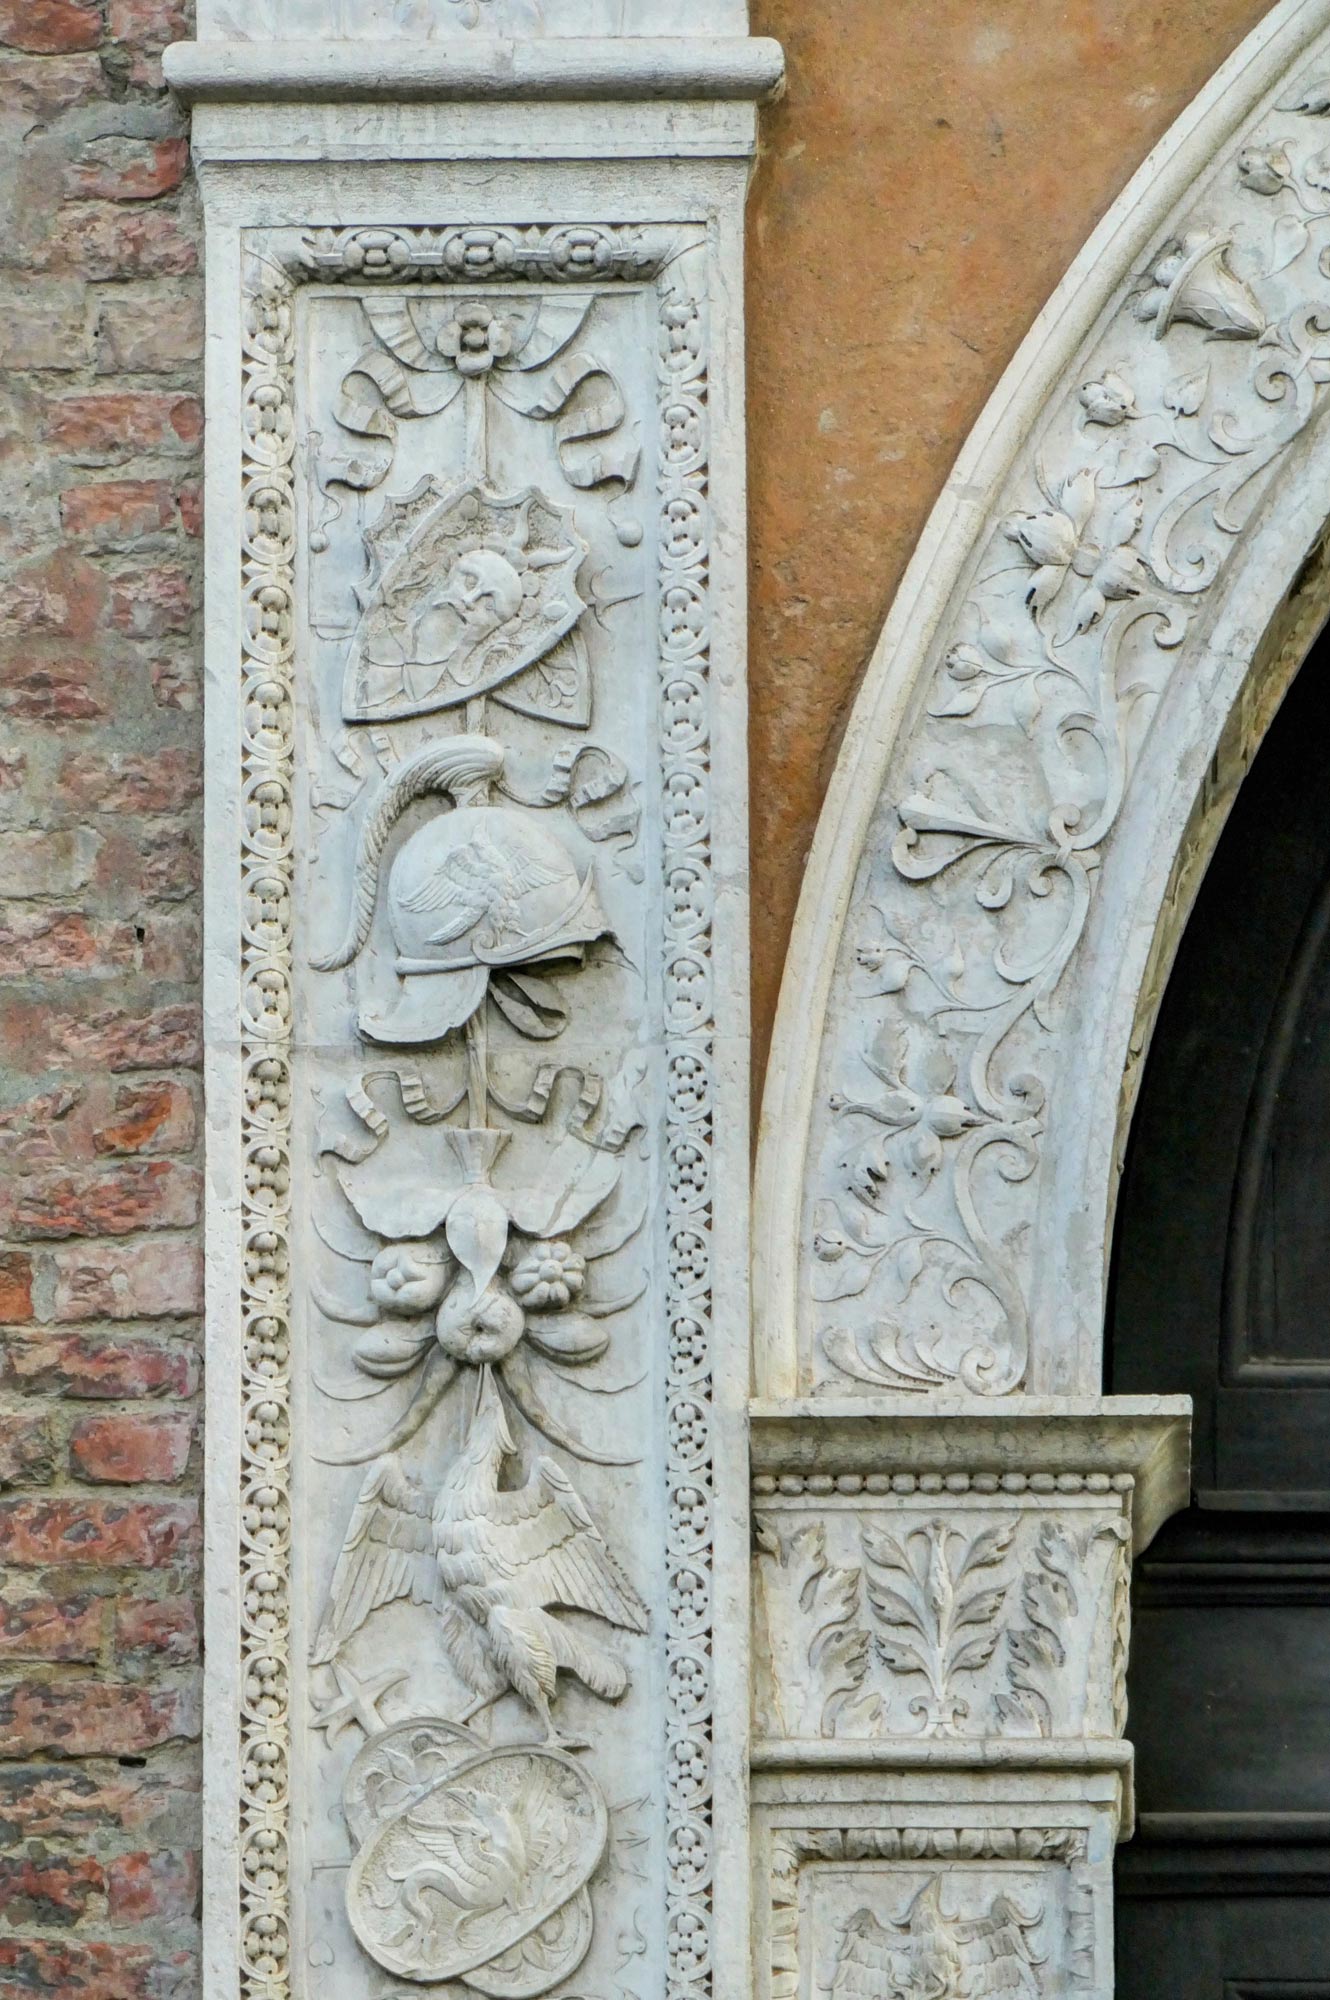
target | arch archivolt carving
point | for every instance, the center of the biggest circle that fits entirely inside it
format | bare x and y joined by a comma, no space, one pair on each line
1111,594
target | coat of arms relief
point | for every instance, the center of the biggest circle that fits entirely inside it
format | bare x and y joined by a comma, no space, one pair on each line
481,1028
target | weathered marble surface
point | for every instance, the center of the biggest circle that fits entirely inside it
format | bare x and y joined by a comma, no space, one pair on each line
427,21
476,1043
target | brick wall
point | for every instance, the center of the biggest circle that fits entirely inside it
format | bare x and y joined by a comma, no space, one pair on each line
100,1249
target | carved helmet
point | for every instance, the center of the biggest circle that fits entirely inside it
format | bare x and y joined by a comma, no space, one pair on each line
478,888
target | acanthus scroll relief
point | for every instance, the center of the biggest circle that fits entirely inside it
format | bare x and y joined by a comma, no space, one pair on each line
483,1050
982,863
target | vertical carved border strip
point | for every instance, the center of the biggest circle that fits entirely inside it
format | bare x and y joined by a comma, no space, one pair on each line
267,756
689,1033
268,596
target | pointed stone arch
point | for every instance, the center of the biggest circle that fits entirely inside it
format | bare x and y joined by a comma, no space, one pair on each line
1116,586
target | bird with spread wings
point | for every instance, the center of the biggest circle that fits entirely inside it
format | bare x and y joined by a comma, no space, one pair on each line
928,1953
494,1564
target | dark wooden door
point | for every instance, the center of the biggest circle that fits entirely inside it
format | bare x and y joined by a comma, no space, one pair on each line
1222,1288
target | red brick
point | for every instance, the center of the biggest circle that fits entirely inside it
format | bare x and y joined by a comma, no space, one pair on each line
98,429
114,1039
63,594
52,690
126,1448
40,91
155,1117
175,684
117,513
169,862
44,326
144,1533
89,1718
37,862
191,509
35,1968
149,23
153,602
52,1628
52,1889
112,1201
104,241
120,169
135,339
40,944
119,781
67,1800
15,1287
141,1886
146,1281
164,1629
86,1369
27,1450
172,945
50,27
39,1130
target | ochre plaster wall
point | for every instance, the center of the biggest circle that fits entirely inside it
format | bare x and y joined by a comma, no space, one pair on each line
931,171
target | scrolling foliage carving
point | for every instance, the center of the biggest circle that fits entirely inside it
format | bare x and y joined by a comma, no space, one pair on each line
982,864
489,1058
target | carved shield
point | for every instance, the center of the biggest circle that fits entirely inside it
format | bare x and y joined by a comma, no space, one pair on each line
469,589
481,1874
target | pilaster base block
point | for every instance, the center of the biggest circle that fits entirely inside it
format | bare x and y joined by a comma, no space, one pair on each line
926,1881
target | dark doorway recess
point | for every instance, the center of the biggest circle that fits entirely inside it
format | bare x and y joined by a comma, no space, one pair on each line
1221,1287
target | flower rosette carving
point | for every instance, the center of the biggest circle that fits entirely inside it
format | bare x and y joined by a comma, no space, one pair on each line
990,833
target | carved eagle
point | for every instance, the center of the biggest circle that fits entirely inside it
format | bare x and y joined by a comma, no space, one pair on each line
494,1563
928,1955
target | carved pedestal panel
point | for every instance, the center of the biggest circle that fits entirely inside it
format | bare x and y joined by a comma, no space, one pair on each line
941,1620
476,1033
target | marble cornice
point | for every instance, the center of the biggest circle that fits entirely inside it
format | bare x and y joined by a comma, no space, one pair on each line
567,69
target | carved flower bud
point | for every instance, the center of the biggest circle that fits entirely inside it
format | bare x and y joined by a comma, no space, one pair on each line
963,662
1108,400
407,1278
1048,538
549,1277
830,1244
1264,169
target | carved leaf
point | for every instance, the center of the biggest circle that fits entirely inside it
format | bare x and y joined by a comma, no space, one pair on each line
975,1653
899,1655
988,1547
981,1607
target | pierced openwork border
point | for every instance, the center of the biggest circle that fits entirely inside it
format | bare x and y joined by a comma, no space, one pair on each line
276,263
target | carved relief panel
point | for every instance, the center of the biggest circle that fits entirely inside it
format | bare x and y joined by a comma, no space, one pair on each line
1000,1907
479,1044
938,1607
